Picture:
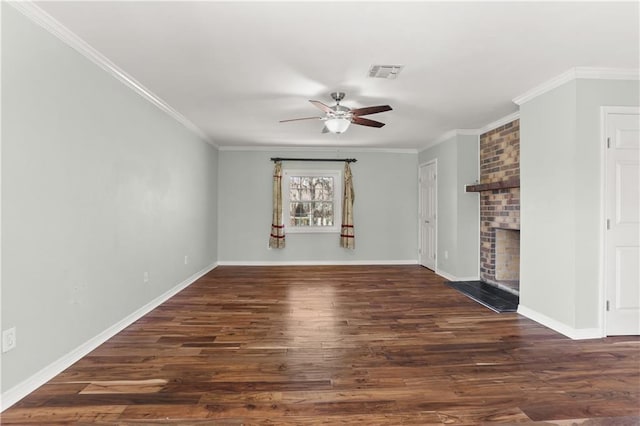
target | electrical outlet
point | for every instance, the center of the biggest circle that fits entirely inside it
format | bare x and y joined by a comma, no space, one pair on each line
186,260
446,254
145,277
8,339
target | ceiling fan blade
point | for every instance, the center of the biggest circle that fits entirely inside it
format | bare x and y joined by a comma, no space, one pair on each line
299,119
322,106
366,122
371,110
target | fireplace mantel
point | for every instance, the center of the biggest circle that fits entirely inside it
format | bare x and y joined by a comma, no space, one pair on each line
504,184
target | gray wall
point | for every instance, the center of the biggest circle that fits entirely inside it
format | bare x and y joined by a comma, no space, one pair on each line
547,209
385,209
98,186
458,211
561,198
468,249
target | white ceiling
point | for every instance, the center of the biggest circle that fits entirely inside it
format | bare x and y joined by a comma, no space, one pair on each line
235,69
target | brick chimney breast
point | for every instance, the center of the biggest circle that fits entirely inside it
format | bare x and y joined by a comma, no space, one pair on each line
499,208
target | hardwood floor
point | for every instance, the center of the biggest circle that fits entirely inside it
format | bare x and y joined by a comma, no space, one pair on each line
369,345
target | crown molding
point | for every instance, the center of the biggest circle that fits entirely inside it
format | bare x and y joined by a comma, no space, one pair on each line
466,132
577,73
334,149
443,137
448,135
607,73
473,132
569,75
548,85
50,24
499,122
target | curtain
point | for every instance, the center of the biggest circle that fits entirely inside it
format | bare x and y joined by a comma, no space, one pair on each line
347,237
276,240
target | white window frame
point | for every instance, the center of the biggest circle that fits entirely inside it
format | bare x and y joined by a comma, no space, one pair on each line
337,201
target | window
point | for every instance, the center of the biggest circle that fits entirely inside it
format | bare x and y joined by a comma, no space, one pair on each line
311,200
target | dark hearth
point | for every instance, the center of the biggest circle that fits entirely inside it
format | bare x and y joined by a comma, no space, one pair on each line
494,298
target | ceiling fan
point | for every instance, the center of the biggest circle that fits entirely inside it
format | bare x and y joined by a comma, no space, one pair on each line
338,118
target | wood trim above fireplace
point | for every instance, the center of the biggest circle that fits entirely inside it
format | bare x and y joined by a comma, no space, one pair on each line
504,184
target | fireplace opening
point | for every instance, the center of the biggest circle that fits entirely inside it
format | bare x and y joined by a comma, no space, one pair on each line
507,258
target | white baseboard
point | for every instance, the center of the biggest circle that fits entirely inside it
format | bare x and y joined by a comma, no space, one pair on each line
316,262
16,393
555,325
450,277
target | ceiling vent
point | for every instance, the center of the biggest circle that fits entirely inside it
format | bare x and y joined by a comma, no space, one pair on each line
390,72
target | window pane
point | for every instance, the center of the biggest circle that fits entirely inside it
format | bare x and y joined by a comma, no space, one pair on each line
300,214
323,214
322,188
311,201
311,188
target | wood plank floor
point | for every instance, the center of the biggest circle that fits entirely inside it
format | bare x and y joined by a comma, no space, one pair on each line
367,345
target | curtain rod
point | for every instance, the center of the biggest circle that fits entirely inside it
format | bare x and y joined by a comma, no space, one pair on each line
346,160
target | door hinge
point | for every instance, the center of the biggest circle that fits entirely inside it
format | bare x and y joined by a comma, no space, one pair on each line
608,306
608,142
608,223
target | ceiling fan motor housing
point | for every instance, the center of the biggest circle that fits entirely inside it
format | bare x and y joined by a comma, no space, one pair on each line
340,111
337,96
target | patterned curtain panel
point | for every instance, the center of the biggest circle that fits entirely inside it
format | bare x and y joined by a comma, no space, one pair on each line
347,236
276,240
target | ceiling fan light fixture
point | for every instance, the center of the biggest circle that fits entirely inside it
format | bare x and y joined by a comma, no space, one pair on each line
337,125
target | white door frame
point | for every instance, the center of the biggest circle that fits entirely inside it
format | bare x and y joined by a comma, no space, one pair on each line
420,224
604,113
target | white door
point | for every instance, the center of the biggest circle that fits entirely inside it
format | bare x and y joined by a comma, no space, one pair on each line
622,202
428,219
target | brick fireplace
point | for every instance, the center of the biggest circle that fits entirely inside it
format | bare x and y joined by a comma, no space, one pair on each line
499,189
